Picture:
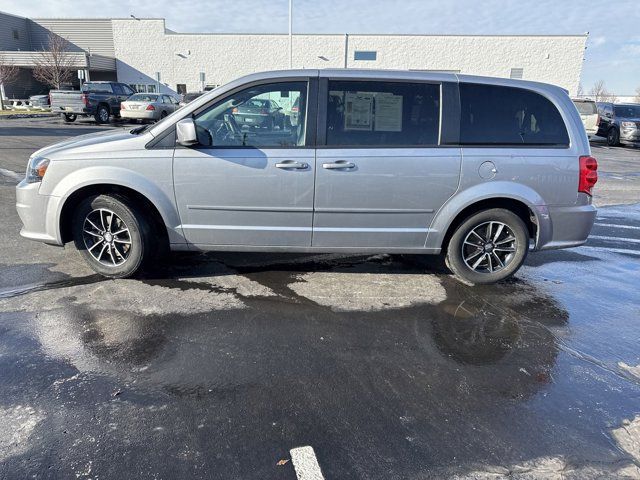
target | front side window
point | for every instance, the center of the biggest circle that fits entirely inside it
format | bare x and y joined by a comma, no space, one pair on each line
364,114
627,111
496,115
249,118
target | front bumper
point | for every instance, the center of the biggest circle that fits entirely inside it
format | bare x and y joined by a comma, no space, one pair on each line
140,114
630,136
38,214
567,226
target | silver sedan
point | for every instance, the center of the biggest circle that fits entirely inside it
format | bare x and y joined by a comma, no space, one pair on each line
148,106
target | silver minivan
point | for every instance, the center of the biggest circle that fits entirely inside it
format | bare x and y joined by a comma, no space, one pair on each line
478,169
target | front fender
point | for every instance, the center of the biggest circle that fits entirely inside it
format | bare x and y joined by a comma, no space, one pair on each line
487,191
158,193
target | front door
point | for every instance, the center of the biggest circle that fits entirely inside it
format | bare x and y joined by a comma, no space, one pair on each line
381,176
250,179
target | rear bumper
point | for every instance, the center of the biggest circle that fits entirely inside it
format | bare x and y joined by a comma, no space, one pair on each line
37,213
140,114
566,226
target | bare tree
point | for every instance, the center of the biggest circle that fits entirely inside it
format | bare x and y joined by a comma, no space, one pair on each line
580,91
600,93
8,74
54,66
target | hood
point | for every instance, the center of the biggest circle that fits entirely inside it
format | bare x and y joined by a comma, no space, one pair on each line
88,140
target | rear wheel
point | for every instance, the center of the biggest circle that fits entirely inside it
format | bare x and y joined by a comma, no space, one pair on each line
489,246
613,137
69,117
102,114
112,235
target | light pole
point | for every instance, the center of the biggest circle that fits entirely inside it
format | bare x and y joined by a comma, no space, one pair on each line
290,33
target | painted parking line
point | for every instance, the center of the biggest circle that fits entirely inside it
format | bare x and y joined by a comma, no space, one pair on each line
305,463
612,250
11,174
613,225
615,239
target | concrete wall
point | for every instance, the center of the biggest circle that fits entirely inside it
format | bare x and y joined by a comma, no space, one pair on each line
180,57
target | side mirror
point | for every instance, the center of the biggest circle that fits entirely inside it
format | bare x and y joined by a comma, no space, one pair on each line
186,132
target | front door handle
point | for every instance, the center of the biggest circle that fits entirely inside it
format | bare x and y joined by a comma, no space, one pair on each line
292,164
340,164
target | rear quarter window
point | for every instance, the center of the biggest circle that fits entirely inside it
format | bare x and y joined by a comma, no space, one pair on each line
497,115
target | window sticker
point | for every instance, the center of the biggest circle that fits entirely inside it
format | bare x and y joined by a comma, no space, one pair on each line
358,111
388,113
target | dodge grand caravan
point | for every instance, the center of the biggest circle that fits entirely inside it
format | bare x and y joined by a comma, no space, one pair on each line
479,169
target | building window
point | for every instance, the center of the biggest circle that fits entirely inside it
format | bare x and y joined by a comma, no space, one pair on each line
364,55
16,34
517,73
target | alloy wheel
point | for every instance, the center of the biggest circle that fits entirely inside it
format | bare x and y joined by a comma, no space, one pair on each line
106,237
489,247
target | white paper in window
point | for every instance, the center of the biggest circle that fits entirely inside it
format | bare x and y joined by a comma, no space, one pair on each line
388,113
358,110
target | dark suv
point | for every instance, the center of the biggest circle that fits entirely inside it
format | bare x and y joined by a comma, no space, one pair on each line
619,123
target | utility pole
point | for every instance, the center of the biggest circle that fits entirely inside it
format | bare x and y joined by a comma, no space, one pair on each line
290,33
346,49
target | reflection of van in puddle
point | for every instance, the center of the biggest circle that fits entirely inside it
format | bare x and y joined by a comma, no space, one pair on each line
372,161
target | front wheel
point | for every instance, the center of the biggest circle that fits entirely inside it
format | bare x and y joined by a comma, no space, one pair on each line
488,247
112,235
613,138
69,117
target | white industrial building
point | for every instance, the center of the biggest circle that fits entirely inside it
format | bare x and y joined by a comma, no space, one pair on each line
135,51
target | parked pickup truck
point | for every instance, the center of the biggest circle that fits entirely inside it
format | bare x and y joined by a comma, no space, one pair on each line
98,99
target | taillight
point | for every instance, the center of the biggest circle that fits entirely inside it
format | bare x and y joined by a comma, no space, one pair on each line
588,174
122,107
294,109
150,107
85,99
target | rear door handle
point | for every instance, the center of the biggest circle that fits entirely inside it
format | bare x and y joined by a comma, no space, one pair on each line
340,164
292,164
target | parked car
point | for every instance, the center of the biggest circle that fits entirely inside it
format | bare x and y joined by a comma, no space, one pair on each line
39,101
98,99
480,169
259,113
619,123
588,111
190,97
148,106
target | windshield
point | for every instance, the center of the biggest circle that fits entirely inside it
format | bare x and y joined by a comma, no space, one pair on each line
627,111
586,108
142,97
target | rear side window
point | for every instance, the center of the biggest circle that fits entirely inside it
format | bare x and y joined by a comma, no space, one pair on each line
495,115
97,87
586,108
366,114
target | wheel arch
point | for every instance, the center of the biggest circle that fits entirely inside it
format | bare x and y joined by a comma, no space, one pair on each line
522,201
123,183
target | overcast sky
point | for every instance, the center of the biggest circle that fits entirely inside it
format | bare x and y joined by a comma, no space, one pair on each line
613,48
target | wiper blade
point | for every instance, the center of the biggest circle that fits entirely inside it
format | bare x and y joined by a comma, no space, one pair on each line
139,130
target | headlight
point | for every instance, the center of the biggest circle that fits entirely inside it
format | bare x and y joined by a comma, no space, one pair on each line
36,169
628,125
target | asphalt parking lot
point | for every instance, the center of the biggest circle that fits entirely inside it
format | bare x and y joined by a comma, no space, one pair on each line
224,365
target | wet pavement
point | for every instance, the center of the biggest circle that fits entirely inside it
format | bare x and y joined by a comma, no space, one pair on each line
218,365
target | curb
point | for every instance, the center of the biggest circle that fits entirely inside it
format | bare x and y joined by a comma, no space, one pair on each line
27,115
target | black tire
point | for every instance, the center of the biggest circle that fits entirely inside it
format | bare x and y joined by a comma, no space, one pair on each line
613,137
163,115
489,269
109,264
69,117
102,114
